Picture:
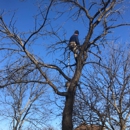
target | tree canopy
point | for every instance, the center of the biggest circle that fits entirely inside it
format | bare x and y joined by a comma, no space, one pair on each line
41,49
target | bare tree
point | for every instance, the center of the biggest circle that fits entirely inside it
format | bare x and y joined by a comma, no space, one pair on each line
15,44
106,100
20,101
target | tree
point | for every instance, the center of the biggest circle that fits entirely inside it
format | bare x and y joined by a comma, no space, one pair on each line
101,15
20,101
106,100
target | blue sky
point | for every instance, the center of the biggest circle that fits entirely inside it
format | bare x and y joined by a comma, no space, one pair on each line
25,11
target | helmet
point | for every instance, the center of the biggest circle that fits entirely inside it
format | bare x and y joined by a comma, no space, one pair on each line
76,32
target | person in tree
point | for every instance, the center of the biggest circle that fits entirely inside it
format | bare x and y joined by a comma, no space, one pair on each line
74,43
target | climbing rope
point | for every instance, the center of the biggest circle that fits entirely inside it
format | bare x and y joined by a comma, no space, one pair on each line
69,64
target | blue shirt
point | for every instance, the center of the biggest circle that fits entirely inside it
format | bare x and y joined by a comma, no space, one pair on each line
74,38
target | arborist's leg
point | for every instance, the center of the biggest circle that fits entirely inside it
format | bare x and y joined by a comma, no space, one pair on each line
75,50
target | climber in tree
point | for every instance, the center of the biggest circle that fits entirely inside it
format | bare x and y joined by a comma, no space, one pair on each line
74,43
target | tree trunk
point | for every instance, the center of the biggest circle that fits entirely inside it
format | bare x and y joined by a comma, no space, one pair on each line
67,123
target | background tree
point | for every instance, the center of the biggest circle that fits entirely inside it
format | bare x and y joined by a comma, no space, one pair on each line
16,45
24,105
106,100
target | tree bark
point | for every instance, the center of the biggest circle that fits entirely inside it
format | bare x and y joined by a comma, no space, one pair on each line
67,123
